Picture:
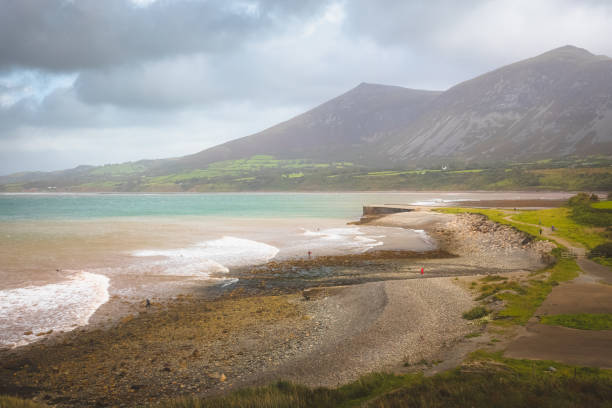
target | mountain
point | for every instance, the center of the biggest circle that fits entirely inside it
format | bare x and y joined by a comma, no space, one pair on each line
554,105
348,127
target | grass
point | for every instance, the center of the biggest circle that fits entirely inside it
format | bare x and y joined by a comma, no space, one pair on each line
485,380
520,305
603,261
520,300
603,205
475,313
565,227
118,169
582,321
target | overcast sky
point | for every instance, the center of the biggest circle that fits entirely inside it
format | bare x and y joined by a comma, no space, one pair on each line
94,82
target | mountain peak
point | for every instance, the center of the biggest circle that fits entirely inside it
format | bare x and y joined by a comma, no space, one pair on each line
570,52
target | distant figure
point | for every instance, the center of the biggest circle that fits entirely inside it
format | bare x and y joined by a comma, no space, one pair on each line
540,231
552,228
422,271
309,253
148,303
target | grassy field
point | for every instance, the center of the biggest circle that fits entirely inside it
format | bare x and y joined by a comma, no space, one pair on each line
603,205
565,226
269,173
582,321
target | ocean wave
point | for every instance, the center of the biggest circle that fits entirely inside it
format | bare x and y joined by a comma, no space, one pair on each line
205,258
58,306
350,239
437,202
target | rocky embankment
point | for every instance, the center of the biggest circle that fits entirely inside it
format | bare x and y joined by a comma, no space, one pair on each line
481,242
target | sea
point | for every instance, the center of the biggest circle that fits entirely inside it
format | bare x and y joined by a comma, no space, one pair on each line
66,255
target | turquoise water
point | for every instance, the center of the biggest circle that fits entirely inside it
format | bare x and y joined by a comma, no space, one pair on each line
80,206
255,205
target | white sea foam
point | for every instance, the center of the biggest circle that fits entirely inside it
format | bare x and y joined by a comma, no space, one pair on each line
58,306
435,202
205,258
350,239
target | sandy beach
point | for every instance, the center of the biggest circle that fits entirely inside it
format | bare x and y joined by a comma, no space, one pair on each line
377,313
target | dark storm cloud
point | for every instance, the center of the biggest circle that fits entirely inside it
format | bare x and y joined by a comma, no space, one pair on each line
72,35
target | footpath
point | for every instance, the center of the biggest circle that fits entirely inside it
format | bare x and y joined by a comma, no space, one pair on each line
591,293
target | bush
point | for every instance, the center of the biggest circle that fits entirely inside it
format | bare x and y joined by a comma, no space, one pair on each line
583,213
476,313
604,250
582,199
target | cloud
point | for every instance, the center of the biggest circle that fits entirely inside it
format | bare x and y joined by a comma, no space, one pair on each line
121,80
482,32
66,35
42,147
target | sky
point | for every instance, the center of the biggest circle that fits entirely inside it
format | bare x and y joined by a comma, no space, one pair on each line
96,82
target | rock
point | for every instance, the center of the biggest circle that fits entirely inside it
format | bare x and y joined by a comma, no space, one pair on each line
551,369
127,319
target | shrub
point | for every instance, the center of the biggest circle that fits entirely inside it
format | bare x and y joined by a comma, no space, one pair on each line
475,313
604,250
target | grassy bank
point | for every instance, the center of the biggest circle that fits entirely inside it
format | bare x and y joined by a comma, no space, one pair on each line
582,321
484,380
565,226
521,297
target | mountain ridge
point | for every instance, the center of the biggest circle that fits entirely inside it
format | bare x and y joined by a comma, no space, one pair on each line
553,105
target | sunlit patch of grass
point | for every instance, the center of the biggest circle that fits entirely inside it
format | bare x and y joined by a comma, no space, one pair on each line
475,313
603,205
565,227
582,321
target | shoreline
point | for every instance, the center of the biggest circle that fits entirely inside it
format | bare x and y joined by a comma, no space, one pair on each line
191,344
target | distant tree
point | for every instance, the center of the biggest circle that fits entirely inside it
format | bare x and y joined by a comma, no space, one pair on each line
579,199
